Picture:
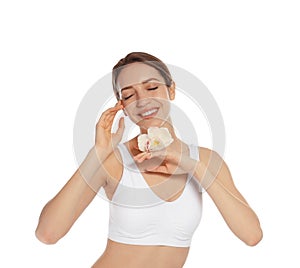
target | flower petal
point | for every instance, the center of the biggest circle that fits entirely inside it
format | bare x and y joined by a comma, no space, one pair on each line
143,139
157,139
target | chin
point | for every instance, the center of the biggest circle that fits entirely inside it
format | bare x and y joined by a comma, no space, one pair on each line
153,122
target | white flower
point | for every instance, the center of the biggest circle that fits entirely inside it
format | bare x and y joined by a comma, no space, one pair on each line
156,139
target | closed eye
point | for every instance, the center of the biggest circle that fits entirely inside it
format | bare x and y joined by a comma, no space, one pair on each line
126,98
152,88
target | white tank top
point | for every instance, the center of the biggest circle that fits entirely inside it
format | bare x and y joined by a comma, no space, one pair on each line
138,216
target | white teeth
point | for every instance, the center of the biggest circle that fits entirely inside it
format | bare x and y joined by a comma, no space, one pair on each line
149,112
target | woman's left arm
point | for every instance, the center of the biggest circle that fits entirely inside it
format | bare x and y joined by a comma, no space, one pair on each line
214,176
236,212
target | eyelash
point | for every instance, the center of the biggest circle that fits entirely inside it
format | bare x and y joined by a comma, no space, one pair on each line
128,97
153,88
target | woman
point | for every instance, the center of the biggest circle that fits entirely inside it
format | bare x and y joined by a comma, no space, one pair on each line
156,233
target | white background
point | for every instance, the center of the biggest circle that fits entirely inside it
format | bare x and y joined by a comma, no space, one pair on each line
245,52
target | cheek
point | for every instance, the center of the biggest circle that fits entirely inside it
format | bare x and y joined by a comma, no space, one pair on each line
165,112
130,112
165,104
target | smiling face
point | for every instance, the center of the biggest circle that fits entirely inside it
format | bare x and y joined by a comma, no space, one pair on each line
145,96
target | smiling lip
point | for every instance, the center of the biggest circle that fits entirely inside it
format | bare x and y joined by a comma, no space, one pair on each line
149,113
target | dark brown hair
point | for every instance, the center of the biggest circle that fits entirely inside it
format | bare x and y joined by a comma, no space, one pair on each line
144,58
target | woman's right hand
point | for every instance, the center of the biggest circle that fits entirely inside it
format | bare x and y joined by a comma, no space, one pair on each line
106,141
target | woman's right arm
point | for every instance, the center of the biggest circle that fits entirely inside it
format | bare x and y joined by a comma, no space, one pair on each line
60,213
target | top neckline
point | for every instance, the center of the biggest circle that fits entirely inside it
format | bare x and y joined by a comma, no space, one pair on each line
188,177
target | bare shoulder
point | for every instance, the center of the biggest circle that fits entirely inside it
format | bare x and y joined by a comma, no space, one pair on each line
216,164
207,154
218,167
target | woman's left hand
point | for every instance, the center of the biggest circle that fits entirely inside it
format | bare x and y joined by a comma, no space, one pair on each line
166,161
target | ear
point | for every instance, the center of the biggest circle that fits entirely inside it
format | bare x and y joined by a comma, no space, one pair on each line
172,91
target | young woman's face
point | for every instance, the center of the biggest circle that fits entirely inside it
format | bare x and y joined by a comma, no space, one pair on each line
145,96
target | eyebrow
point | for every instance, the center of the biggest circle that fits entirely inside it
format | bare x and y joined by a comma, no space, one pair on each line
144,82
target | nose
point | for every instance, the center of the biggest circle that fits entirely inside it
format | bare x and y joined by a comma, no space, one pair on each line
142,98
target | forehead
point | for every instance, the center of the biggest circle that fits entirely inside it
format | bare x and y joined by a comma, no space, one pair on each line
135,73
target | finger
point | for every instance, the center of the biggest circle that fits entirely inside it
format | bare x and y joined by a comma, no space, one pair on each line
141,157
108,116
159,169
152,154
106,121
114,109
120,131
157,154
118,103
